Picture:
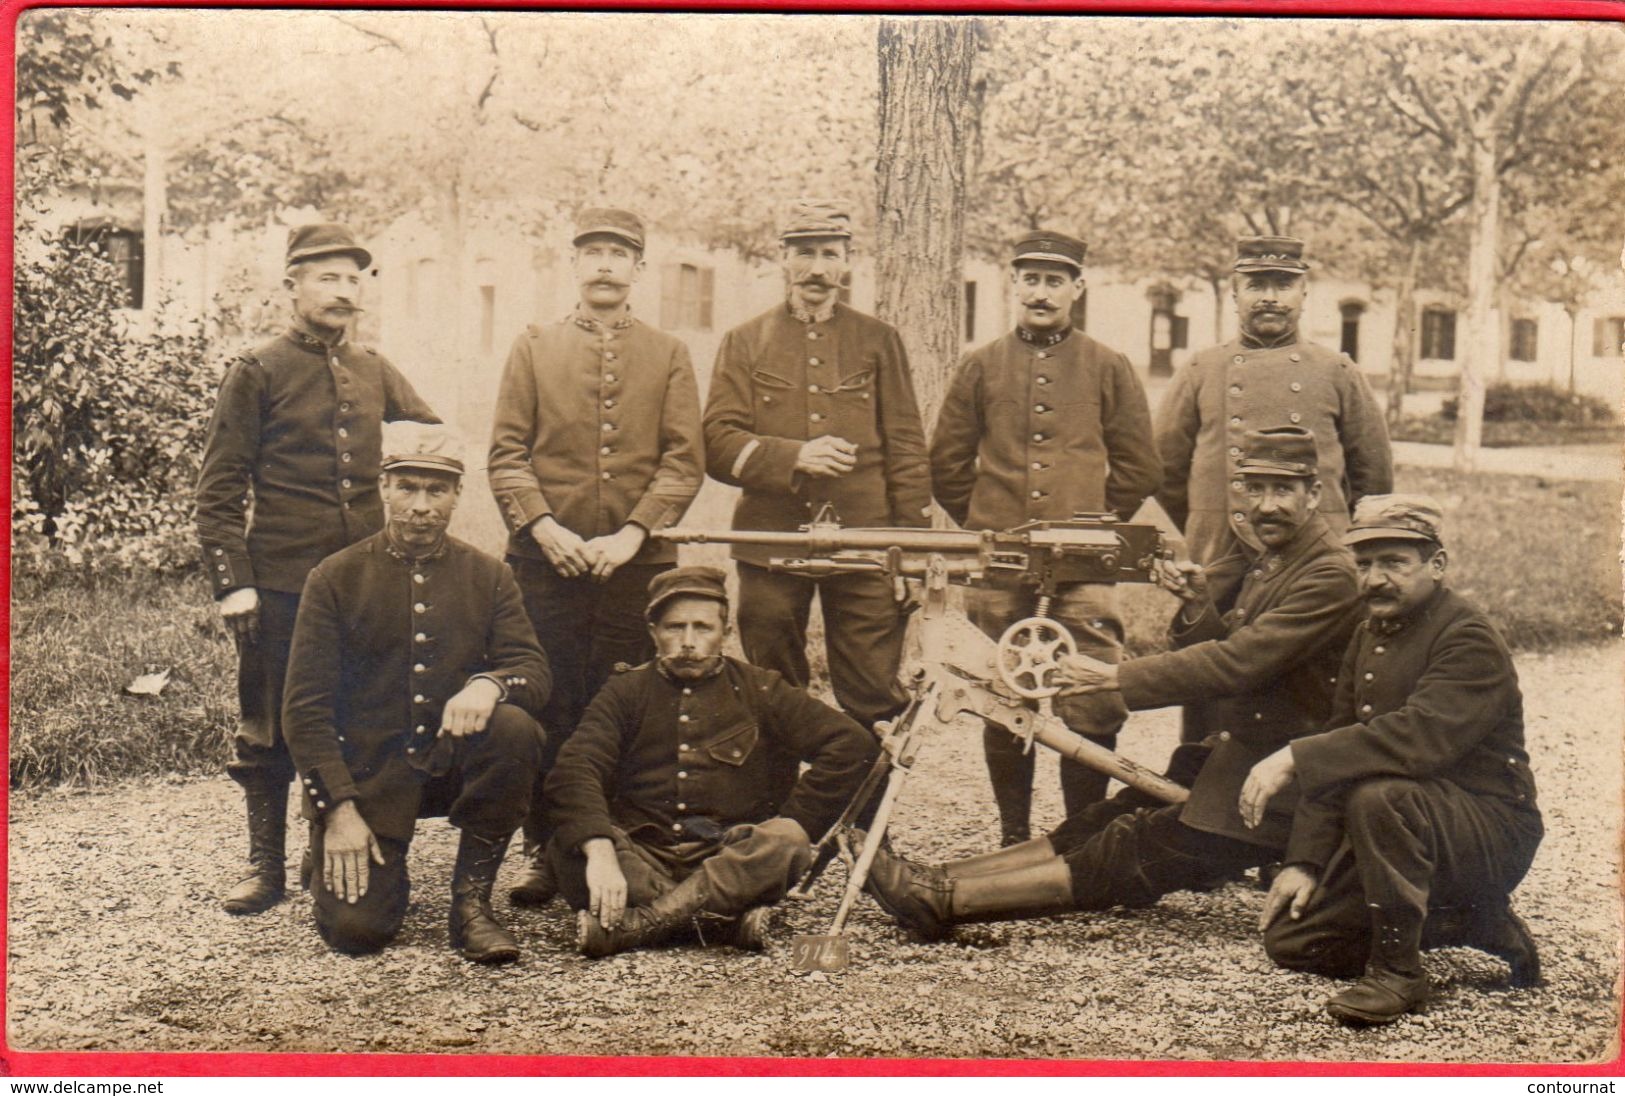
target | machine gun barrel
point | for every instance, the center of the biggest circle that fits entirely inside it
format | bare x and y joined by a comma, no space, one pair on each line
822,540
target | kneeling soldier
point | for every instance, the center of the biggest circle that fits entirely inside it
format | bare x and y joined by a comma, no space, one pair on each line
1416,815
413,673
663,797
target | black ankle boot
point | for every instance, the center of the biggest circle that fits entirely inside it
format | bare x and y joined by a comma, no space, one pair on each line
643,926
1394,981
475,931
267,840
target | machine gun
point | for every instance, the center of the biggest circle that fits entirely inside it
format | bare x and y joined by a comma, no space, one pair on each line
963,674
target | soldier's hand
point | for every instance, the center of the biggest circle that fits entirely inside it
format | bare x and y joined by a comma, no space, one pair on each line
615,549
1080,675
1182,578
566,551
240,609
470,710
1267,778
348,845
1292,891
827,456
606,884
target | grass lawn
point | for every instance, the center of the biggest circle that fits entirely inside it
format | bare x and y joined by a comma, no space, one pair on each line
1540,556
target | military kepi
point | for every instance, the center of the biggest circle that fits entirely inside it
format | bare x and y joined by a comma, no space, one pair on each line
810,218
321,240
1050,247
1396,517
428,446
1278,451
707,582
1258,253
603,221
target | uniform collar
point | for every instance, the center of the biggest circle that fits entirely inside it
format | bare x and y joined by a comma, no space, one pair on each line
405,557
811,315
1385,628
1251,343
304,339
589,323
1042,339
1309,534
713,672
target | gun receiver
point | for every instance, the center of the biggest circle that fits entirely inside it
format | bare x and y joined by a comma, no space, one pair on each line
1083,548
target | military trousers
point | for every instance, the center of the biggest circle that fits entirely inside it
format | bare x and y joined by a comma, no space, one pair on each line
585,627
259,756
747,865
1426,847
484,790
1089,611
863,635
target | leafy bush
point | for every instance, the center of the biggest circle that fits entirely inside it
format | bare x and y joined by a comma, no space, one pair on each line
1547,403
108,426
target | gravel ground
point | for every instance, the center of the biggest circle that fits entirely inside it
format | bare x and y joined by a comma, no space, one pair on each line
116,942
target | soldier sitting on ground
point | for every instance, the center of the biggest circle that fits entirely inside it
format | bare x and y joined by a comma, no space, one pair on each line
663,798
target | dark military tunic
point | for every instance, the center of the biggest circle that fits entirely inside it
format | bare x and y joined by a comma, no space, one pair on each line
382,642
667,761
1223,392
1255,666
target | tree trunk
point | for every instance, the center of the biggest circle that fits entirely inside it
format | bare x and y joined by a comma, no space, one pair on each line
1573,314
1404,352
927,119
154,207
1216,282
1482,343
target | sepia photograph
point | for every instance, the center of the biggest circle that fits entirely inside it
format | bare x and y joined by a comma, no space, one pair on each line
1062,539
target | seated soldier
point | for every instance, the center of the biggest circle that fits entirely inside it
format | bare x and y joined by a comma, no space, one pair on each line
413,672
1416,813
663,798
1255,648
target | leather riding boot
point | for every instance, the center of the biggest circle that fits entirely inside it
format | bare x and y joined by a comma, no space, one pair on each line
1033,890
267,840
1008,858
1491,928
537,886
1394,981
917,896
641,926
475,930
1011,772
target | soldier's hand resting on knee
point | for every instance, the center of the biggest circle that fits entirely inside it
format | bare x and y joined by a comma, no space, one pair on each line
1292,891
470,710
348,844
606,884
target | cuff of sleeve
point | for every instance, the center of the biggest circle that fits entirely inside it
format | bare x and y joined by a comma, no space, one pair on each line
328,784
227,569
652,512
773,466
521,506
500,683
1186,623
575,834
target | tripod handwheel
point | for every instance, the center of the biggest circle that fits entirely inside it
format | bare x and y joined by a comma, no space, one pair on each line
1030,651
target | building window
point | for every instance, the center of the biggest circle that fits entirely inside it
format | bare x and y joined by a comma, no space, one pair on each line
970,311
685,296
122,247
1439,334
1349,343
488,318
1525,334
1607,336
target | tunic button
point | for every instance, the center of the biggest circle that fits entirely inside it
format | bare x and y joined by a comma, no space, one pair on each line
812,388
1294,357
607,427
607,475
812,334
1295,417
682,806
815,361
610,356
1037,467
1038,494
1235,420
682,776
420,638
1258,715
421,729
1238,359
1235,450
735,753
1369,675
225,582
344,483
1365,708
343,433
313,792
687,691
419,668
417,579
675,828
609,403
1038,437
345,457
320,804
1224,736
1296,387
1239,517
1043,380
344,407
1041,409
605,451
1235,485
1378,650
418,699
1043,353
420,608
816,417
685,746
1235,389
609,378
219,551
682,719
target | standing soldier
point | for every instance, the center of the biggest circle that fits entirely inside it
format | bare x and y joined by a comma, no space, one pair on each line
290,475
1267,375
1044,422
596,443
812,405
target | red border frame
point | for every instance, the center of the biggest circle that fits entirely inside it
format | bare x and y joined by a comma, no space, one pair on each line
164,1064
